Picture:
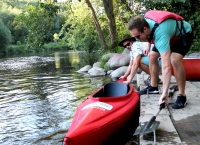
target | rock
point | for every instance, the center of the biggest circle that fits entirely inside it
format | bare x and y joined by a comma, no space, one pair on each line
96,71
107,56
109,72
97,64
126,51
118,60
85,68
119,72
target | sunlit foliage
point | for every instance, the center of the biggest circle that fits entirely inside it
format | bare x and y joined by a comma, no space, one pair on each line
39,21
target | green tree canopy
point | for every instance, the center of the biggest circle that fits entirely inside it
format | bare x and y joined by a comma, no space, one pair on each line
5,36
39,21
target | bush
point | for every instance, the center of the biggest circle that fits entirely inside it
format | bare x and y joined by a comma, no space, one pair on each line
5,37
14,49
55,46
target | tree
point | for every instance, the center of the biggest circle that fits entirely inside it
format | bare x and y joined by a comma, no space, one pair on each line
97,25
108,6
39,21
109,20
5,37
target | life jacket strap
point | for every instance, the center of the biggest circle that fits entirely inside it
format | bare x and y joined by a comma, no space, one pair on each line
152,32
182,33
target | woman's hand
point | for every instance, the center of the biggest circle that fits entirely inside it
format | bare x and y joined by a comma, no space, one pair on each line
127,82
122,77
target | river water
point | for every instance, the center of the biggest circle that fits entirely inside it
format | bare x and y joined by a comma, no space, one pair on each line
39,95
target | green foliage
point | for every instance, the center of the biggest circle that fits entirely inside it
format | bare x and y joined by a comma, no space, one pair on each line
19,43
8,14
104,65
19,48
39,21
15,49
123,14
79,31
55,46
5,37
18,3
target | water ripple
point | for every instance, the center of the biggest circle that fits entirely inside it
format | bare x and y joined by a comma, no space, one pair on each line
38,100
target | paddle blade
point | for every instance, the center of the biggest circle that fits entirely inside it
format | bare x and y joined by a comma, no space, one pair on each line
142,129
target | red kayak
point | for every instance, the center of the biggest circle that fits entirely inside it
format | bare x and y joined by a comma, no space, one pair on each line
192,68
103,113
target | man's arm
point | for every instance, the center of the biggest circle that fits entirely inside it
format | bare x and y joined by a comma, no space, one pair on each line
166,74
147,49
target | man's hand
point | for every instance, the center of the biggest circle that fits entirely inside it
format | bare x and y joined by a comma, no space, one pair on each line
146,51
163,98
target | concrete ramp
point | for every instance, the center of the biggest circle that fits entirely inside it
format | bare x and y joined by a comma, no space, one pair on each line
166,133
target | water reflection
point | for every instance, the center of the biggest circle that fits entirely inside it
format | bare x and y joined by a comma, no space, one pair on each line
39,95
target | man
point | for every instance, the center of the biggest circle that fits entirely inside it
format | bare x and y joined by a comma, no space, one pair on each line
172,39
138,50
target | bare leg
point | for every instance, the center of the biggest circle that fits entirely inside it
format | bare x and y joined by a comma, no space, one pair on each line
179,71
154,67
144,67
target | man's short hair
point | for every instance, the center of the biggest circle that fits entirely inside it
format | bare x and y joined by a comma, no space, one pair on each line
137,22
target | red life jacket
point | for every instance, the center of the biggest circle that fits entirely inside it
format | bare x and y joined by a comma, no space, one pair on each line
160,16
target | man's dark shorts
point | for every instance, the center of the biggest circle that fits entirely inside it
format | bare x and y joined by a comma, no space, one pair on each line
179,46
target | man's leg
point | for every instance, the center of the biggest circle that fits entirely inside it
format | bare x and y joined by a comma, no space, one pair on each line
179,71
179,50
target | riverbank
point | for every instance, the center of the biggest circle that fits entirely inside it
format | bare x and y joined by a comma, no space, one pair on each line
176,126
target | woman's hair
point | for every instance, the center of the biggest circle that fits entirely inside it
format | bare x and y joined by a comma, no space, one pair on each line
137,22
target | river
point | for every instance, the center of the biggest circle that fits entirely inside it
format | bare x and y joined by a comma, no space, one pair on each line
39,95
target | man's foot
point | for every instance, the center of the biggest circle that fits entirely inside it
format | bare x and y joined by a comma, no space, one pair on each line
150,90
148,81
180,102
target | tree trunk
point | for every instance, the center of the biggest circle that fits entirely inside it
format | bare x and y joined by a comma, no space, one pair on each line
120,17
97,25
108,6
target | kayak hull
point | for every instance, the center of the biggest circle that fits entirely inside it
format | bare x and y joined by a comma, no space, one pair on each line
100,115
192,68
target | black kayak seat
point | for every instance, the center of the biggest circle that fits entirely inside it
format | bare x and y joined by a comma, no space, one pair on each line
115,89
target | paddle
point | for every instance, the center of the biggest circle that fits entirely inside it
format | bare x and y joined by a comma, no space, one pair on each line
172,89
153,118
151,125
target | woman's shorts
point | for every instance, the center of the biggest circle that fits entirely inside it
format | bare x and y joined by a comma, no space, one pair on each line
146,61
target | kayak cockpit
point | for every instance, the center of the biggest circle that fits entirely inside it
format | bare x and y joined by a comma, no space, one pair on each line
113,89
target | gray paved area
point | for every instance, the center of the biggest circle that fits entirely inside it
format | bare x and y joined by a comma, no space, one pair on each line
177,127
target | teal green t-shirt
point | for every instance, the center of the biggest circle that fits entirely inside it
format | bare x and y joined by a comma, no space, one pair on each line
165,31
